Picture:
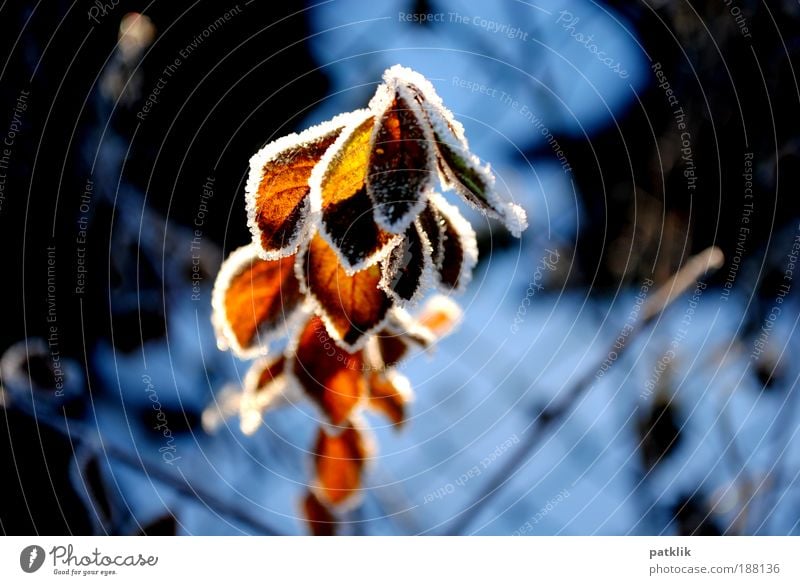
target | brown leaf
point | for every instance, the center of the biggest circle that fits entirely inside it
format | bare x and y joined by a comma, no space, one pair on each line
389,346
459,247
432,223
339,462
460,170
389,393
401,165
351,306
252,299
332,377
320,520
277,190
339,193
406,268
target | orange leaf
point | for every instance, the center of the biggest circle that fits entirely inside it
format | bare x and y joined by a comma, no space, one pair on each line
440,315
394,341
252,298
339,193
331,377
339,462
264,373
389,394
392,348
277,189
264,388
351,306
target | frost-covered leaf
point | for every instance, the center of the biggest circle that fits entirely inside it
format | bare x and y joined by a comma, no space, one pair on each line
408,267
330,376
402,166
463,172
339,463
339,196
265,387
401,334
440,315
226,405
263,374
252,299
390,393
352,306
459,247
404,333
432,223
277,189
460,170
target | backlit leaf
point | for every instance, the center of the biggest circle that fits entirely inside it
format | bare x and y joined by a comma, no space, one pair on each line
252,299
339,195
264,388
277,189
460,170
339,463
390,394
330,376
352,306
401,163
440,315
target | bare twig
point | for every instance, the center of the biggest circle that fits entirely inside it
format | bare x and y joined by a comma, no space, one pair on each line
79,435
706,261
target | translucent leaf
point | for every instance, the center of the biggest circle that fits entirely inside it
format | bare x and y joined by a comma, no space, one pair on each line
330,376
352,306
339,463
277,189
265,387
401,334
390,393
339,196
252,299
440,315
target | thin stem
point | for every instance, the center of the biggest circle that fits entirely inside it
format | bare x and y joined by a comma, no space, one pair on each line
706,261
178,483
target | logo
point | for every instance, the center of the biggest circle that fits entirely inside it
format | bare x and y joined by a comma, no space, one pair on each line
31,558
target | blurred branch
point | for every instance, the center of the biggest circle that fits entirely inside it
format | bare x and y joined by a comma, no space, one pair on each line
695,268
79,433
194,492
